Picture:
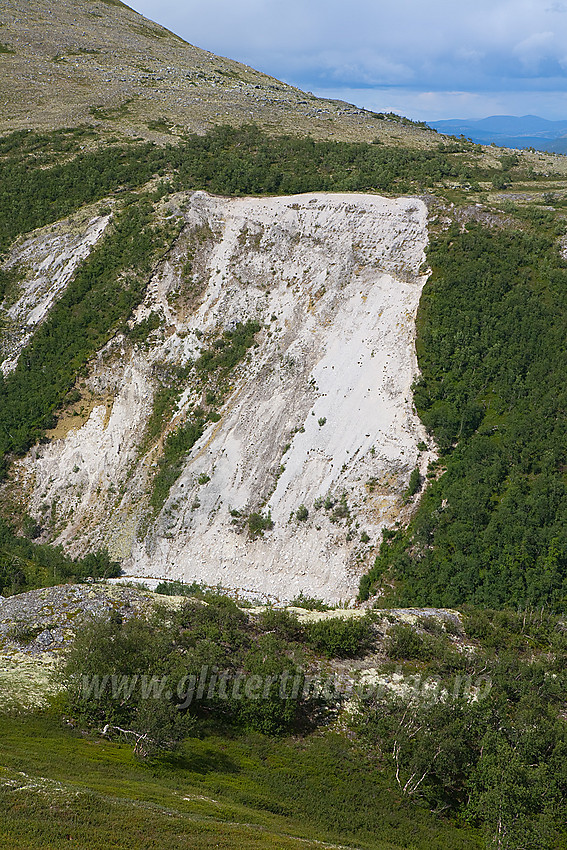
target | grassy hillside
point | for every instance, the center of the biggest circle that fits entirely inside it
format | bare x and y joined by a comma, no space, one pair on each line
248,791
98,61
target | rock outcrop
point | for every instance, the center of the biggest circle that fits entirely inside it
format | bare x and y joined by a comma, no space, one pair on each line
317,429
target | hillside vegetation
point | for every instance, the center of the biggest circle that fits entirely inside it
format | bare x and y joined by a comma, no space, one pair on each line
459,739
492,525
200,721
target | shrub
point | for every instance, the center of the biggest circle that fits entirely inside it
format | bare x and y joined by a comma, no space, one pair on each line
309,602
405,644
414,484
340,637
178,588
283,623
258,523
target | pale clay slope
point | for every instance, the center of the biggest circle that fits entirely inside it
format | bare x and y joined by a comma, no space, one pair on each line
49,259
334,279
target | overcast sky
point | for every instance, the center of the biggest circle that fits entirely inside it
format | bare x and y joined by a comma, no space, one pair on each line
427,59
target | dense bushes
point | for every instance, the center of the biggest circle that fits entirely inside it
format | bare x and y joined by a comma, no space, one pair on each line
477,733
246,161
482,742
340,637
496,761
31,196
206,660
25,565
493,356
44,177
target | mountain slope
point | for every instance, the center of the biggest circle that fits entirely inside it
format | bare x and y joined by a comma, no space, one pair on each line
98,61
317,418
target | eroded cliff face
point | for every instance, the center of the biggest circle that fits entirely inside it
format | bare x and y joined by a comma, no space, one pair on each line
318,417
42,265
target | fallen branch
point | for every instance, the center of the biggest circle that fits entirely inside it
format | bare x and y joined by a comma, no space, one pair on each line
139,736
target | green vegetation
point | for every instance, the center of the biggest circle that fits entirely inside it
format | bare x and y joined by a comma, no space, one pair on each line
103,292
479,735
340,637
25,565
310,603
178,649
245,161
469,754
228,350
406,644
414,484
210,374
248,791
340,509
9,285
176,447
226,160
141,331
258,523
32,197
45,148
178,588
493,355
110,113
171,379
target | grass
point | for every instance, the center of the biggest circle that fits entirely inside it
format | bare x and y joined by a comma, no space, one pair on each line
249,791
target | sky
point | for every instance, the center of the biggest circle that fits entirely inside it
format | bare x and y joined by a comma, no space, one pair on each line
425,59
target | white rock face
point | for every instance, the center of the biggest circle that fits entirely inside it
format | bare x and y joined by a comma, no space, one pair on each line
49,259
320,410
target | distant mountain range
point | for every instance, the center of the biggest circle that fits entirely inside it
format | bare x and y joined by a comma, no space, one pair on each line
510,131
